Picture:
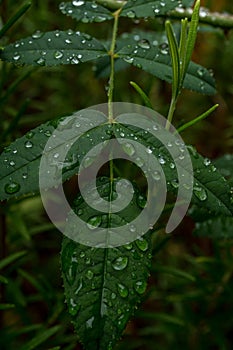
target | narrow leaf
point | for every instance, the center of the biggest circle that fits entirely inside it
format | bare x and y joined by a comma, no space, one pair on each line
143,95
54,48
155,59
11,258
103,286
41,338
86,11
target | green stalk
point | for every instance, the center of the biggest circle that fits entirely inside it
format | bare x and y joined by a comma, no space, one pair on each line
15,18
112,73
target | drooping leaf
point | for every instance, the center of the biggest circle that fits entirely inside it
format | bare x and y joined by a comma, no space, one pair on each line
147,8
154,58
104,285
86,11
54,48
20,161
216,228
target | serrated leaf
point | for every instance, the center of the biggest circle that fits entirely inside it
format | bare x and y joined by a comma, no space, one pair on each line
148,8
210,190
103,286
85,11
154,58
20,161
216,228
54,48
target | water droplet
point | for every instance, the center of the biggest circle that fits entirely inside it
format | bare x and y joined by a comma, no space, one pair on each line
132,228
140,287
175,183
128,148
207,161
47,133
12,163
156,175
29,134
68,41
131,14
77,3
58,54
15,151
144,44
94,222
141,201
74,60
149,150
24,176
41,61
156,10
89,323
16,57
89,274
37,34
122,290
113,296
120,263
128,246
129,59
73,307
79,287
87,162
200,72
162,160
200,193
12,188
142,244
163,48
28,144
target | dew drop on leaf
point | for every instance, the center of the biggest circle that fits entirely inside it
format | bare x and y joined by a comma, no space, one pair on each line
144,44
163,48
28,144
122,290
142,244
41,61
94,222
140,287
58,54
200,193
89,322
89,274
77,3
129,149
175,183
37,35
120,263
12,188
131,14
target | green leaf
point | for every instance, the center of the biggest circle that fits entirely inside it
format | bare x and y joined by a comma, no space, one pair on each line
210,190
20,161
53,48
216,228
147,8
11,258
155,59
104,286
40,338
6,306
85,11
225,165
143,95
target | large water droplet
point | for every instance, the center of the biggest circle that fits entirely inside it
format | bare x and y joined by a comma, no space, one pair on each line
122,290
120,263
77,3
58,54
89,274
89,323
37,34
200,193
129,149
131,14
28,144
164,48
12,188
140,287
94,222
41,61
142,244
144,44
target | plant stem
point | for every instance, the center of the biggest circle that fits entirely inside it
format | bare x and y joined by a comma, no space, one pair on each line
112,57
171,113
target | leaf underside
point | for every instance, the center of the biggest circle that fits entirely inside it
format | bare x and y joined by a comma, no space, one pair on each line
104,286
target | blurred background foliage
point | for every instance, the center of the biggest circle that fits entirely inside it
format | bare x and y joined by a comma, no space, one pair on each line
189,302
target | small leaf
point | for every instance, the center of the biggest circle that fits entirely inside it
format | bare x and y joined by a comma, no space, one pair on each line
53,48
148,8
103,286
85,11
